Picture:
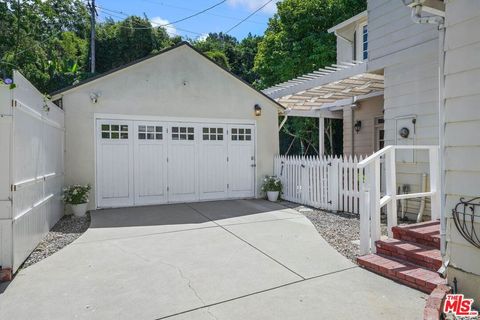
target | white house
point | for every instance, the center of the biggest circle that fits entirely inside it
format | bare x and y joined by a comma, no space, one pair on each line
406,76
173,127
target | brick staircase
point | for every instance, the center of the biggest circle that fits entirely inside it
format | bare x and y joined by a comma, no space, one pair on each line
412,257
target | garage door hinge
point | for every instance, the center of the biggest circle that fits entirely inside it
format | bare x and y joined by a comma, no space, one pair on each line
227,159
228,186
168,188
167,159
13,187
14,103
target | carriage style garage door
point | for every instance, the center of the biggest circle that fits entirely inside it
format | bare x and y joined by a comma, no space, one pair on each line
150,162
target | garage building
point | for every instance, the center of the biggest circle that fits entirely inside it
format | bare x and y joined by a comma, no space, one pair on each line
173,127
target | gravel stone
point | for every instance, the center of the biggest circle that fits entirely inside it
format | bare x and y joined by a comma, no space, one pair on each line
67,230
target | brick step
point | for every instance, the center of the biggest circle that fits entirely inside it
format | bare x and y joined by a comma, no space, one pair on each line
404,272
418,254
425,233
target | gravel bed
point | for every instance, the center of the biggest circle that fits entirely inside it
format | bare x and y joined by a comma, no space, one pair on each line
340,230
67,229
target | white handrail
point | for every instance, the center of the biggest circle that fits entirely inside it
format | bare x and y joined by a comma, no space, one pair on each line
372,202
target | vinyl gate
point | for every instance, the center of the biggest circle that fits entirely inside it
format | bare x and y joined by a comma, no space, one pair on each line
31,164
329,183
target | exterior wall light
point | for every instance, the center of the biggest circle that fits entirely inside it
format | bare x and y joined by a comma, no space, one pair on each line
357,126
94,97
258,110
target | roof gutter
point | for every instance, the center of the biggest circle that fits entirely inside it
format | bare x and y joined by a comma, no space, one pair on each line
438,20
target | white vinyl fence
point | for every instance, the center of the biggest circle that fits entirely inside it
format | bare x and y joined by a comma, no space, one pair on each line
329,183
31,169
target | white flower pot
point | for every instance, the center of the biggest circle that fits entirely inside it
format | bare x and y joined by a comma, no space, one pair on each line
79,210
272,195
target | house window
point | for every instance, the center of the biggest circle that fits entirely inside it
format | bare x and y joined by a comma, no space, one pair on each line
361,42
212,134
365,42
114,131
150,132
183,133
241,134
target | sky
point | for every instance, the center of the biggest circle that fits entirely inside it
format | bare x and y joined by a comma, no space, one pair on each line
219,19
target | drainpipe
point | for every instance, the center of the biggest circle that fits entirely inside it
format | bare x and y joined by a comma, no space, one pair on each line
440,22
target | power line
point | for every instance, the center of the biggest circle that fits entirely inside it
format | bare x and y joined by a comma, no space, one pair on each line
156,25
209,13
246,18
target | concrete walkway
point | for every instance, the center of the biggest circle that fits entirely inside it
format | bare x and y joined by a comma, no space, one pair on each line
243,259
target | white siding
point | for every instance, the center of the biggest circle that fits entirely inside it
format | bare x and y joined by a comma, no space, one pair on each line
462,143
363,141
391,30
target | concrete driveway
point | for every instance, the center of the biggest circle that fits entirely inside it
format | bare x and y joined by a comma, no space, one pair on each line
243,259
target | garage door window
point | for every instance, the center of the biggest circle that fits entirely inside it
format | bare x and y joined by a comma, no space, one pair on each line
114,131
150,132
183,133
212,134
241,134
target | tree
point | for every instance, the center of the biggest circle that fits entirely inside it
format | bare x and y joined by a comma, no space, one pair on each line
297,42
219,57
240,55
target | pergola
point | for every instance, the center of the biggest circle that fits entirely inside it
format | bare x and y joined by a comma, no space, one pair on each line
325,92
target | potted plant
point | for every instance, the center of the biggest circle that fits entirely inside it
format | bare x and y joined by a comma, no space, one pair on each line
77,197
273,187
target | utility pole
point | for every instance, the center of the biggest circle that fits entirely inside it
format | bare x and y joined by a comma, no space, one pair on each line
93,14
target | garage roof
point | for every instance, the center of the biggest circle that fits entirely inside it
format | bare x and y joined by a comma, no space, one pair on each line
327,87
183,43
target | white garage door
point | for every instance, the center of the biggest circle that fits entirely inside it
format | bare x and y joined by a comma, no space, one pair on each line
150,162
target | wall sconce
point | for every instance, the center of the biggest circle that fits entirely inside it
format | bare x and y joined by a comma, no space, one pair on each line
357,126
258,110
94,97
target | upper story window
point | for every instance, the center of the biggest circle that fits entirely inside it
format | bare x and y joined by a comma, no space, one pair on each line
361,45
365,42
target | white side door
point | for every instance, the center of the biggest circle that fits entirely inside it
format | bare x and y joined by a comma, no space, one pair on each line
150,155
213,162
182,162
241,161
115,186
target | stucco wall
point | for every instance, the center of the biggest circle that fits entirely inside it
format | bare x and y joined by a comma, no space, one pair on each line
462,143
363,141
177,83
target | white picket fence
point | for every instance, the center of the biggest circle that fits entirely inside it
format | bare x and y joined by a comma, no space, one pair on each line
329,183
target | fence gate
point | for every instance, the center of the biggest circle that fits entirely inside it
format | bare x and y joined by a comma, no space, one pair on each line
329,183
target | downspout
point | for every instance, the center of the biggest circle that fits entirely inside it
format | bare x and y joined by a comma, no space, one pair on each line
440,22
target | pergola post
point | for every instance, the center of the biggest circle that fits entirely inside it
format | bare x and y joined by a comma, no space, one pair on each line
321,135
